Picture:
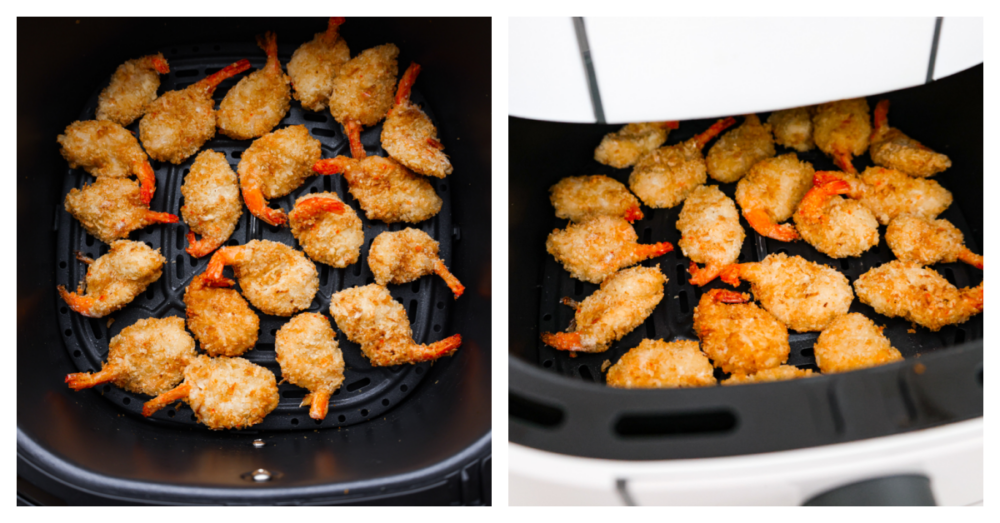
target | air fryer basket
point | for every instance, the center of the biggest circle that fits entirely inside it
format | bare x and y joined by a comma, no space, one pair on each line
410,434
940,381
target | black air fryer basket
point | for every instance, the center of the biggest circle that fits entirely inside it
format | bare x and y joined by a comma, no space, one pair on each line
559,403
413,434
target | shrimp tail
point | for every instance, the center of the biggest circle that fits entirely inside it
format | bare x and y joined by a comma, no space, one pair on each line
202,247
731,274
158,62
633,213
80,304
713,131
670,125
971,258
269,43
147,180
159,217
319,402
438,349
257,204
333,29
700,277
880,120
442,270
406,83
842,159
727,296
332,165
224,256
644,252
177,393
353,130
972,297
570,341
209,83
86,380
316,205
765,226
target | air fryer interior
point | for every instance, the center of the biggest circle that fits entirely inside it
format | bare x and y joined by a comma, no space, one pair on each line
558,402
427,435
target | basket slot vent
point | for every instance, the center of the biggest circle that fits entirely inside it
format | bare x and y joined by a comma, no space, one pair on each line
647,425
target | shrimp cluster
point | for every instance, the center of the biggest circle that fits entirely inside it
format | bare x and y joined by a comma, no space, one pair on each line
579,198
316,63
104,148
409,136
893,149
110,208
274,165
133,87
658,364
328,229
738,150
386,190
793,128
889,193
260,100
307,350
597,248
835,226
212,205
852,342
927,242
115,279
841,130
276,278
623,148
738,335
711,233
220,318
404,256
362,92
770,193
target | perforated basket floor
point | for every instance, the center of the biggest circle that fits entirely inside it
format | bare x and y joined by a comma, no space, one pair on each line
367,392
673,317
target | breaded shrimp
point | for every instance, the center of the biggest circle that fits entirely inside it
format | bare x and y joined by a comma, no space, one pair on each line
841,130
835,226
224,393
219,318
386,190
260,100
623,148
148,357
793,128
711,233
771,191
803,295
404,256
889,193
739,336
107,149
927,242
370,317
666,176
132,88
410,137
622,303
111,208
853,342
736,151
579,198
362,92
115,279
779,373
178,123
599,247
918,294
893,149
656,364
274,165
212,205
316,63
310,357
328,229
276,278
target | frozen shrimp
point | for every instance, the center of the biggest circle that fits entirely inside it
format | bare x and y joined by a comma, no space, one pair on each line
889,193
276,278
328,229
853,342
386,190
274,165
220,318
835,226
793,128
307,350
362,92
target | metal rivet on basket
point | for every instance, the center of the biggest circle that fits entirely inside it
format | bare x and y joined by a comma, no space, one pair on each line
258,443
261,475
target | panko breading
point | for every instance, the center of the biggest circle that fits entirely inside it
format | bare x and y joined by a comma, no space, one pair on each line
623,148
370,317
771,191
803,295
386,190
853,342
622,303
178,123
711,233
404,256
666,176
115,279
579,198
307,350
918,294
224,393
599,247
739,336
274,165
889,193
111,208
893,149
835,226
276,278
658,364
260,100
326,235
316,63
793,128
927,242
212,205
148,357
362,92
132,88
220,318
779,373
107,149
409,136
736,151
841,130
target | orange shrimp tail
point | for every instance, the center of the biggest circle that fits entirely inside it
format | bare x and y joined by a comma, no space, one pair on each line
563,340
331,165
842,160
825,177
713,131
881,119
353,129
202,247
765,226
973,297
160,64
971,258
442,270
316,205
86,380
319,404
727,296
147,180
213,273
257,204
406,83
643,252
731,274
633,213
670,125
160,217
269,43
177,393
80,304
812,203
435,144
209,83
445,347
700,277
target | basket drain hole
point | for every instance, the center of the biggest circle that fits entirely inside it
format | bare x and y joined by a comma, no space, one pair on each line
708,422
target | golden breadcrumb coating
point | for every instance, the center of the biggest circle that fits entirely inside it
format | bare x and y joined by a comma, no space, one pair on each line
579,198
804,295
386,190
315,64
893,149
307,350
739,337
280,161
111,208
779,373
403,256
918,294
666,176
115,279
835,226
260,100
599,247
853,342
927,242
274,277
370,317
212,205
363,89
711,233
622,303
623,148
327,237
409,136
658,364
220,319
133,87
889,193
102,148
770,192
736,151
793,128
841,130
